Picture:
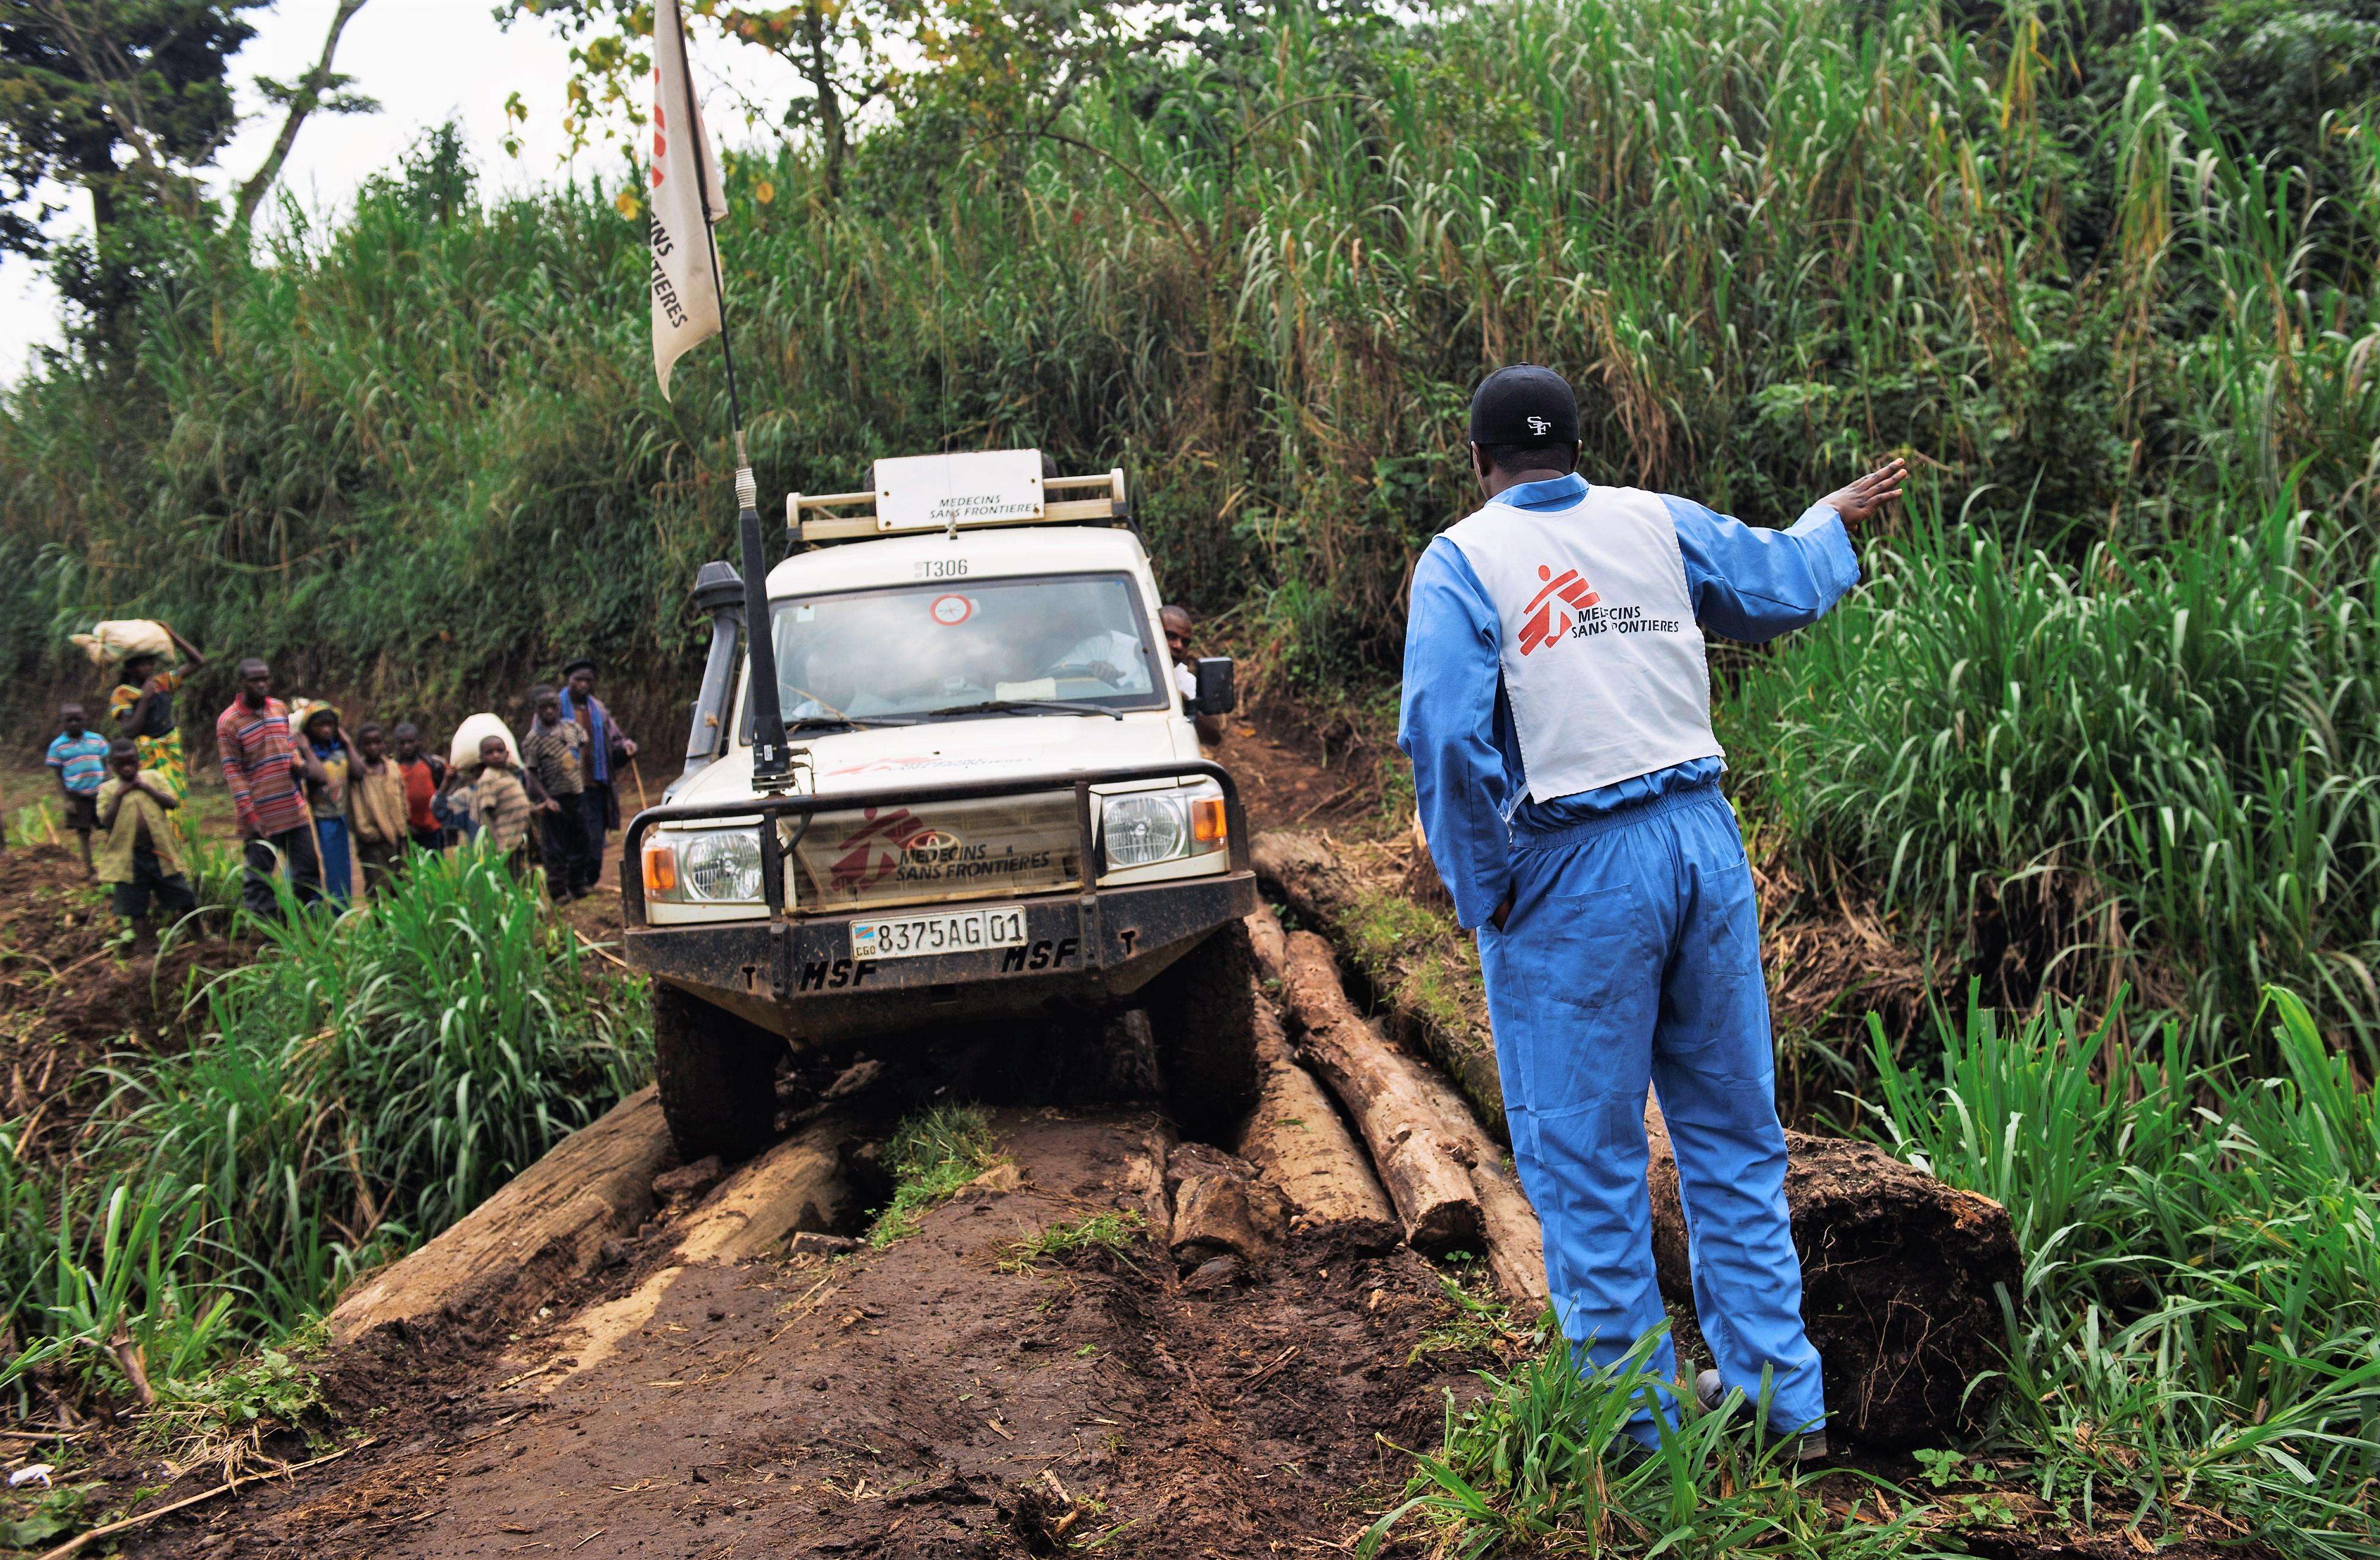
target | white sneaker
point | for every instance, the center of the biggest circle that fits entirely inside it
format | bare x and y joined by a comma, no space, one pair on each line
1710,1392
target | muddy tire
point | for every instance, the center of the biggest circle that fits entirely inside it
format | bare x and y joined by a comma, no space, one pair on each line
1202,1013
717,1077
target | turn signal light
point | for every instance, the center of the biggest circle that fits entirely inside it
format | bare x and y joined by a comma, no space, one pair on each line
661,870
1208,821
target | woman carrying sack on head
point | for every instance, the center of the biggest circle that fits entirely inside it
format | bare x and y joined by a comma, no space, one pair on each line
140,706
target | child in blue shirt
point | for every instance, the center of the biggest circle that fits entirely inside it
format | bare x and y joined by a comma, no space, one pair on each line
80,756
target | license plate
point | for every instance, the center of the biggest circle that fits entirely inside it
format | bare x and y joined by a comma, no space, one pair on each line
952,931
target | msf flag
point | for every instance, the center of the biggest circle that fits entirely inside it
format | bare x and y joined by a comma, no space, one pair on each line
685,171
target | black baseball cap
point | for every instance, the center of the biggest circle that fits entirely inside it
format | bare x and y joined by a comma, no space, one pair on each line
1524,404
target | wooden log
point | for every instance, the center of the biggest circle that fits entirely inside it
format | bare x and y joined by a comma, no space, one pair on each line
1898,1278
1222,1206
1422,966
1423,1172
1267,941
1295,1138
543,1230
1508,1225
797,1184
1516,1242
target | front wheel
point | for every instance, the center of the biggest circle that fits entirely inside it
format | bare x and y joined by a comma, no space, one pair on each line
717,1075
1202,1015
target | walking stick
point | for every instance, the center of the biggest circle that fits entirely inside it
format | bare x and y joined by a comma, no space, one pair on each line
639,777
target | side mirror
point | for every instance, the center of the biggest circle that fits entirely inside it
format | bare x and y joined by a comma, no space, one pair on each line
1217,693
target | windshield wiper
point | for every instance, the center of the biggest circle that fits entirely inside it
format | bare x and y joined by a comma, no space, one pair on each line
1013,706
847,723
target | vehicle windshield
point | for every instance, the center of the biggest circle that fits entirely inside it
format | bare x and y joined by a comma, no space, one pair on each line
915,650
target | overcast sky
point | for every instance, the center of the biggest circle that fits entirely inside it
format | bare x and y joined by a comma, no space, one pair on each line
426,61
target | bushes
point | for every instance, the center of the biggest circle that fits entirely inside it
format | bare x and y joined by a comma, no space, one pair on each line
360,1085
2197,1332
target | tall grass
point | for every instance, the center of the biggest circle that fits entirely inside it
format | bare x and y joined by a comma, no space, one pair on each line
420,448
2200,1321
359,1085
2159,766
2194,1349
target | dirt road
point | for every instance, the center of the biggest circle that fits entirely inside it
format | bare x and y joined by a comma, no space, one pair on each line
942,1397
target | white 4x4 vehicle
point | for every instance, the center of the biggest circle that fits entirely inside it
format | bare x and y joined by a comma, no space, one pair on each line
997,804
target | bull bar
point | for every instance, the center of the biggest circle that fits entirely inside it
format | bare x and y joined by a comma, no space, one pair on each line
772,808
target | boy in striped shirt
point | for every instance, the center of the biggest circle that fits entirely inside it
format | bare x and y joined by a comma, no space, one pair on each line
80,756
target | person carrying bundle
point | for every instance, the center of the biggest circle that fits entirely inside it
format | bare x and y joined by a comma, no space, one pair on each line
1557,710
507,801
142,706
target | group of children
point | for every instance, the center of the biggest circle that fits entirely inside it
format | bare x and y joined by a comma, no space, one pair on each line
335,810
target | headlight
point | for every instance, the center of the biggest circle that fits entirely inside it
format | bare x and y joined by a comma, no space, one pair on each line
721,864
1141,829
1144,827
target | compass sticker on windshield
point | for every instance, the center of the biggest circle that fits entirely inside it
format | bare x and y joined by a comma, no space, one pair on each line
952,611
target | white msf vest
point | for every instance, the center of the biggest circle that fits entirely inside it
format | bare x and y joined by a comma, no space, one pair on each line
1603,661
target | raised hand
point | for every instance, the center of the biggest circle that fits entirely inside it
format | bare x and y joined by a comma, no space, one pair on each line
1859,500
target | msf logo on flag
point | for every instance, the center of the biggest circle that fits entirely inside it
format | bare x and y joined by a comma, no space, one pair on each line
1546,622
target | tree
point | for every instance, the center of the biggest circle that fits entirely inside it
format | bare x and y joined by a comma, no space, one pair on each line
995,67
123,98
129,98
834,44
321,90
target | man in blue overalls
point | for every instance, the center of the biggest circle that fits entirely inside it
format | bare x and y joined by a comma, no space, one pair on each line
1557,710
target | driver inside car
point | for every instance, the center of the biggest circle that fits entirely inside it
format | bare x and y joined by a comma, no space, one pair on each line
1110,655
828,690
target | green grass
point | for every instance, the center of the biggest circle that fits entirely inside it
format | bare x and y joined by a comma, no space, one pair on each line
1769,238
2200,1318
1541,1464
931,1156
1111,1234
2197,1330
2105,715
358,1085
2155,768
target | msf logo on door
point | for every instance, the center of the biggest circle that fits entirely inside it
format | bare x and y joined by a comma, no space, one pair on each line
1546,621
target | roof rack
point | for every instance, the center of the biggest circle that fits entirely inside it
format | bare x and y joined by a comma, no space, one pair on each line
1004,488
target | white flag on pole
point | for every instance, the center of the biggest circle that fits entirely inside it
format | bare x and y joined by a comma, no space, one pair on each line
686,289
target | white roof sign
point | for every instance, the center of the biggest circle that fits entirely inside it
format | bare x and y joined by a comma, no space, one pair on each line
930,492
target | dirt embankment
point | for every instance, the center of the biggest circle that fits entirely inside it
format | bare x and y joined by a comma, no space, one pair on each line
72,990
949,1394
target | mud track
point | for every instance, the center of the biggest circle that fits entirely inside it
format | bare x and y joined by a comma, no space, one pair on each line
938,1398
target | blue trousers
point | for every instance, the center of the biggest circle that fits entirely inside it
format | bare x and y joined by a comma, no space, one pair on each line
1631,957
338,867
